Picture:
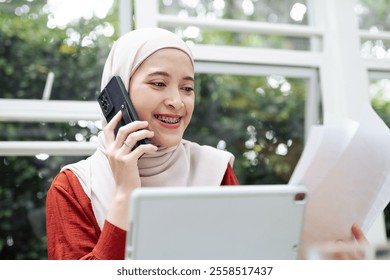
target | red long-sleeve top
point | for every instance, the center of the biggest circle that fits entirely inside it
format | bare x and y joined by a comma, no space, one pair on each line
71,227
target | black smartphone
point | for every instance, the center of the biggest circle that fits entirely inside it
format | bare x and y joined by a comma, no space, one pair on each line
113,98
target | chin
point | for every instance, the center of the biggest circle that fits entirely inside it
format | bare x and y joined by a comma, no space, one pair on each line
166,143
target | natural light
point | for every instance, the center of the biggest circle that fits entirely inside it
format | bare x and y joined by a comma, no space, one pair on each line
63,12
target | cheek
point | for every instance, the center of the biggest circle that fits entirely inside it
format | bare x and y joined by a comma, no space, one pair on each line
190,103
144,112
142,103
141,106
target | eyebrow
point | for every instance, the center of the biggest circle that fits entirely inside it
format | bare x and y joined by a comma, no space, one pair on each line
166,74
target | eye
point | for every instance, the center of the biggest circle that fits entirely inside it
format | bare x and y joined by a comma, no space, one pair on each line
188,89
158,84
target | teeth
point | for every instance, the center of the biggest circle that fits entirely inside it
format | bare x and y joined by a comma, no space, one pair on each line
168,120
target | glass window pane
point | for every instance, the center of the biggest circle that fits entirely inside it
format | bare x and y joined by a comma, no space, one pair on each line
375,49
276,11
380,100
259,119
282,11
373,15
24,183
223,38
54,43
79,131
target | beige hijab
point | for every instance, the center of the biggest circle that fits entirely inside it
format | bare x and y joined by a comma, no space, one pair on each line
187,164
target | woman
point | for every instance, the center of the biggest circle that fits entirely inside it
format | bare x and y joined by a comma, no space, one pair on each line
87,203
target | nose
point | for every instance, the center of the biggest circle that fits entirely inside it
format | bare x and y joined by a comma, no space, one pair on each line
173,99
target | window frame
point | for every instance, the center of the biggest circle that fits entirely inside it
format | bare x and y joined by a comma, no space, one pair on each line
318,61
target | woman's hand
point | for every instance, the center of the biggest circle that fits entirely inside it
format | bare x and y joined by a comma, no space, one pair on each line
359,235
342,249
123,161
349,250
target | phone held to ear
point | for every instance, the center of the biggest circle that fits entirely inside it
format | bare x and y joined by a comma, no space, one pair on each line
113,98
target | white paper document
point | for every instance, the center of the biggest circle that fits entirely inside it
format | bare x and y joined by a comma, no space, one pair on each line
345,166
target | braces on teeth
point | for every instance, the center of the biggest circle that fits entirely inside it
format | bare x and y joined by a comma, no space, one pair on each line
168,120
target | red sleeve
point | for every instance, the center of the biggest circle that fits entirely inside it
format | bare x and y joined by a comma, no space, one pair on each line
71,228
229,179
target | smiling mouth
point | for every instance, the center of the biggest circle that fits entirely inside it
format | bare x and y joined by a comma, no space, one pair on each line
168,120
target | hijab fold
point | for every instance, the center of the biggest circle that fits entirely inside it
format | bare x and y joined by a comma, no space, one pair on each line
187,164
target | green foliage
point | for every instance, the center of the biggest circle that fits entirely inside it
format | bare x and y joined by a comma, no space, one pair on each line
29,50
381,104
252,118
266,11
258,119
24,183
255,121
263,10
376,14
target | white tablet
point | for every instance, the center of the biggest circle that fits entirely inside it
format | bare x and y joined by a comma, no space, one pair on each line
205,223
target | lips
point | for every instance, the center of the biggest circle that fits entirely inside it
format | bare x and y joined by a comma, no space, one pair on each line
168,119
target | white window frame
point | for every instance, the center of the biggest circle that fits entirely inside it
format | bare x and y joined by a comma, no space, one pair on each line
343,73
312,91
332,22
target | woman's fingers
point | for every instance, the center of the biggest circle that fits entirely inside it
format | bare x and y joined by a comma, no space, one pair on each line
359,235
141,150
129,133
132,139
109,134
